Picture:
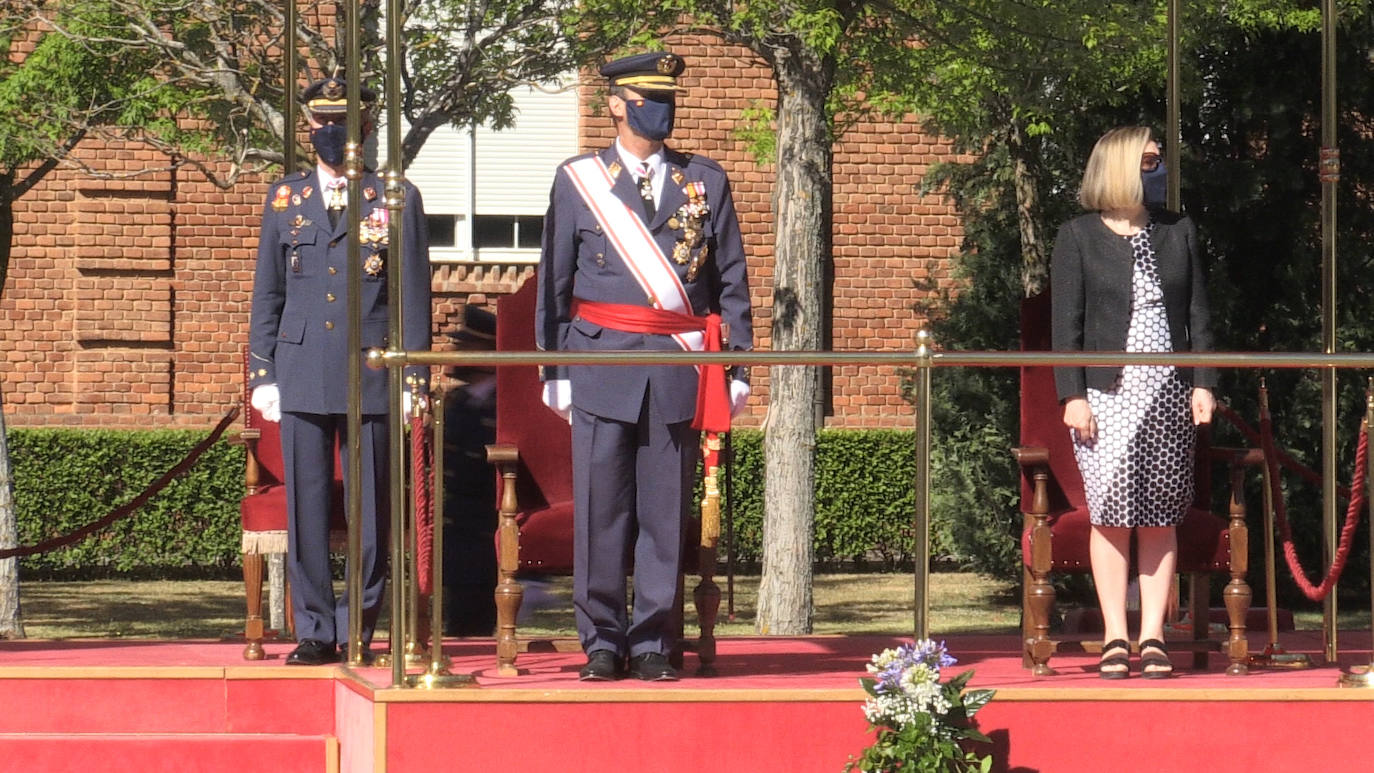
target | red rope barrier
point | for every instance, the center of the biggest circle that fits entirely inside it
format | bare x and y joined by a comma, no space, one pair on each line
1272,458
420,463
128,508
1290,462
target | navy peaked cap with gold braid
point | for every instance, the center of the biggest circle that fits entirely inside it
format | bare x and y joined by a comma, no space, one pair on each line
330,95
653,71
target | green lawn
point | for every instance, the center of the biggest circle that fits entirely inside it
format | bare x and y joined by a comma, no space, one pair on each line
961,602
845,603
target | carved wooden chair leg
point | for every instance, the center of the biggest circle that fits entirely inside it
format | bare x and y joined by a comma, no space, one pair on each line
707,599
1027,625
1039,592
252,626
509,594
1237,593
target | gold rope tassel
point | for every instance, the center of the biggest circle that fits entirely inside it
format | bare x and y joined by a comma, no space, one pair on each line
710,500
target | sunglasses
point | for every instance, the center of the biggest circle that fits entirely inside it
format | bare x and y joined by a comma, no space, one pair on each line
1149,162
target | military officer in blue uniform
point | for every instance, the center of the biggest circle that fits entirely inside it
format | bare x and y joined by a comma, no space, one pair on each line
641,250
299,360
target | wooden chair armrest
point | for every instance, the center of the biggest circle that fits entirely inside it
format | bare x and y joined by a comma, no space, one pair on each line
1244,457
499,453
242,437
1030,456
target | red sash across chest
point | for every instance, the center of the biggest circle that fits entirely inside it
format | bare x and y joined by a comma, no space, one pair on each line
713,399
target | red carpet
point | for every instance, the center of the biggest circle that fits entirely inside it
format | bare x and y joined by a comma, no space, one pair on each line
779,704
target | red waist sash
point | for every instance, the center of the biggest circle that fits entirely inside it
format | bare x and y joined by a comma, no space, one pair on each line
713,397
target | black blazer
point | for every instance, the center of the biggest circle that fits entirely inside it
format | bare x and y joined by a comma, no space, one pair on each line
1090,282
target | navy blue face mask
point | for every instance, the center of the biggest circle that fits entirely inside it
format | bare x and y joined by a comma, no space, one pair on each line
1155,186
651,116
329,141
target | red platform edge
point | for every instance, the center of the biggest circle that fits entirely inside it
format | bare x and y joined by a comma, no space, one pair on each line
780,704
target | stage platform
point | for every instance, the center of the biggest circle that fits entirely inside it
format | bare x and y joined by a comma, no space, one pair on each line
778,704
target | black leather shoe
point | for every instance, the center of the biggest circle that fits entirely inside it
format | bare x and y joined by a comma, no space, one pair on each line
311,652
652,667
602,666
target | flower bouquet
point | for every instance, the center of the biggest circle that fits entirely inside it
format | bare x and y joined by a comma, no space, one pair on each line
921,724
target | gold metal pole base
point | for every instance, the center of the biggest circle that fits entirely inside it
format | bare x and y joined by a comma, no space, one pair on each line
1275,656
416,654
383,659
1358,676
441,680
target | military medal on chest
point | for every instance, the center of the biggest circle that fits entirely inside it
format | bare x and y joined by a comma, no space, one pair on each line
374,230
299,222
691,218
282,198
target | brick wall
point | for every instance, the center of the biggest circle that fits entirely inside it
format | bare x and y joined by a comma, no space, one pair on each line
128,298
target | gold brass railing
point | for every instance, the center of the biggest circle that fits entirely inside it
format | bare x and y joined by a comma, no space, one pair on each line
923,359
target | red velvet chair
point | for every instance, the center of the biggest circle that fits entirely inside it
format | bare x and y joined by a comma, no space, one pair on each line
262,513
533,459
1056,527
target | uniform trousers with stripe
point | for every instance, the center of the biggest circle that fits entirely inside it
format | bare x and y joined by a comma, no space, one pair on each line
308,454
632,488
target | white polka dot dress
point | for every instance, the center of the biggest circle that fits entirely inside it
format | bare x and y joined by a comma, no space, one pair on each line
1139,471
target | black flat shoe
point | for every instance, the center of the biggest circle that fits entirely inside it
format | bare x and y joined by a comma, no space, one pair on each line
1116,666
652,667
311,652
1155,665
602,666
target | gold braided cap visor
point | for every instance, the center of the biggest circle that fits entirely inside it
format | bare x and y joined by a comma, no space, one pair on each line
331,106
649,83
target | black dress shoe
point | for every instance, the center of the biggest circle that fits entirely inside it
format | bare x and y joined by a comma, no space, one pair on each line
652,667
602,666
311,652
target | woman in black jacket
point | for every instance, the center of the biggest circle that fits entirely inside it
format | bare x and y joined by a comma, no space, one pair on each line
1128,276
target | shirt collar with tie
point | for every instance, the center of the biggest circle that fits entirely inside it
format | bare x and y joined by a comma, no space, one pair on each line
632,165
329,184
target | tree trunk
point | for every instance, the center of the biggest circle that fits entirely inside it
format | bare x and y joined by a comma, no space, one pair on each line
11,624
802,204
1035,267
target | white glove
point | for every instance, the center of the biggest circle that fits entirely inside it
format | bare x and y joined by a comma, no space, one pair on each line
739,395
266,398
558,396
406,403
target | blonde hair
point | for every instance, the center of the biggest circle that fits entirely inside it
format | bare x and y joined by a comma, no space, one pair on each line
1112,178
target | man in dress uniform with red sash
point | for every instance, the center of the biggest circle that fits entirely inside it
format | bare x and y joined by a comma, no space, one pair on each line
299,354
641,250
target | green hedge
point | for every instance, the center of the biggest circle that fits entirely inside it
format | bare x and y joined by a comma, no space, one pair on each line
865,500
65,479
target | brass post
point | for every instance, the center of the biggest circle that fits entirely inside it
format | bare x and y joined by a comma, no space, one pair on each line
1329,174
395,204
410,517
921,548
1274,655
290,112
437,663
1363,676
1172,149
353,162
437,675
